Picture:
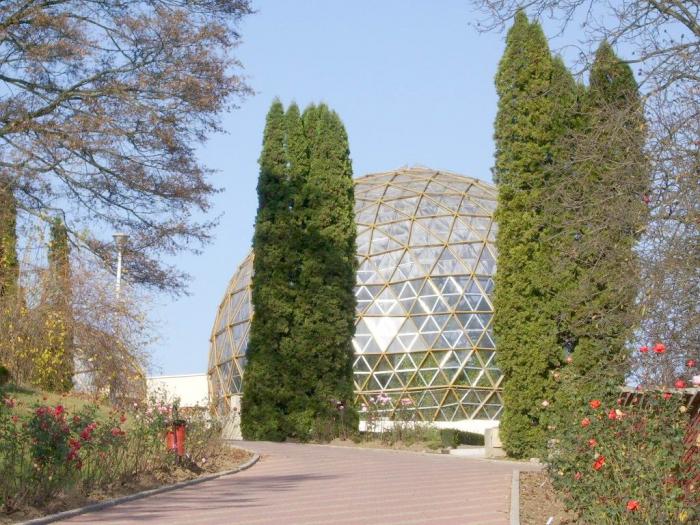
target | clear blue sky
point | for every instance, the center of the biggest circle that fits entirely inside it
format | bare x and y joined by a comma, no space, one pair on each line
413,82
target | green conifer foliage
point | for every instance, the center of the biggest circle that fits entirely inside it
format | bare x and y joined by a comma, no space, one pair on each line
612,177
9,267
325,311
528,83
265,397
59,318
300,350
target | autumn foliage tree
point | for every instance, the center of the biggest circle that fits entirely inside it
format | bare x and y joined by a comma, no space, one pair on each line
102,105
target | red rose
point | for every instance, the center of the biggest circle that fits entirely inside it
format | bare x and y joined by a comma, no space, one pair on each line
599,463
668,395
595,403
644,349
58,411
659,348
585,422
15,419
632,504
680,383
592,442
122,418
691,363
612,414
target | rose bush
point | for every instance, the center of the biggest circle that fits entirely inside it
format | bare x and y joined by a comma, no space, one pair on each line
627,457
45,450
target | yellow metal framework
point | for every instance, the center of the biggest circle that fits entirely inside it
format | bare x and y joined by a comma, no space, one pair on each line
426,260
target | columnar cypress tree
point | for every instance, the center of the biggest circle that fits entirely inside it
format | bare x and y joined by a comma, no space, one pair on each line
265,397
325,309
525,322
611,178
9,267
59,318
300,349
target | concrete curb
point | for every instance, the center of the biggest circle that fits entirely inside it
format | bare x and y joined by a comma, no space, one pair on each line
139,495
515,499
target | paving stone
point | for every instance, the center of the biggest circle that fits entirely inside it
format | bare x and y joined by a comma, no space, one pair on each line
312,484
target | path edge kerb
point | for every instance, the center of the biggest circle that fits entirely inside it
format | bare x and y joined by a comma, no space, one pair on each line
51,518
515,498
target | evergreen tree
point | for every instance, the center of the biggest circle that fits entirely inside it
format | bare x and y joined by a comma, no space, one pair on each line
325,310
530,85
265,397
300,350
9,267
59,319
606,217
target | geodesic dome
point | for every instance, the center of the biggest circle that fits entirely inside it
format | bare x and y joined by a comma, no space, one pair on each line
426,260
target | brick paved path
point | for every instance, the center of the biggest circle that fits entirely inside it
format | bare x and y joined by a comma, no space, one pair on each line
312,484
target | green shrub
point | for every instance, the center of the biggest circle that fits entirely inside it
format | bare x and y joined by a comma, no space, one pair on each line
618,464
453,438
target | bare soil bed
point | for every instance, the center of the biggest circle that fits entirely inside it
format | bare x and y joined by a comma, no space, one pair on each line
226,459
539,501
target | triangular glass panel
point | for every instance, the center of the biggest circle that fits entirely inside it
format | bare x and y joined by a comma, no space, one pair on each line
468,254
381,242
421,236
367,273
487,263
363,241
383,329
427,208
389,214
407,205
487,341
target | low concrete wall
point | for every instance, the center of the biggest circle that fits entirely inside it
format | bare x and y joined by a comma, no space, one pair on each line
476,426
493,448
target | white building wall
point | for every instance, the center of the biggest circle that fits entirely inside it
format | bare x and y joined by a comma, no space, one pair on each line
191,389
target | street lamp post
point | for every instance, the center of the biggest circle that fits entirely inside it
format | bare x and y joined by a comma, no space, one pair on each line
120,242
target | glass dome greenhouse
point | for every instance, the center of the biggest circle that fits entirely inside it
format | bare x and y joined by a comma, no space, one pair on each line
426,260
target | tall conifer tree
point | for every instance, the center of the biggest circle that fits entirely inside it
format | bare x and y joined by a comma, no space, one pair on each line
265,398
325,310
607,214
9,267
529,83
300,351
59,317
